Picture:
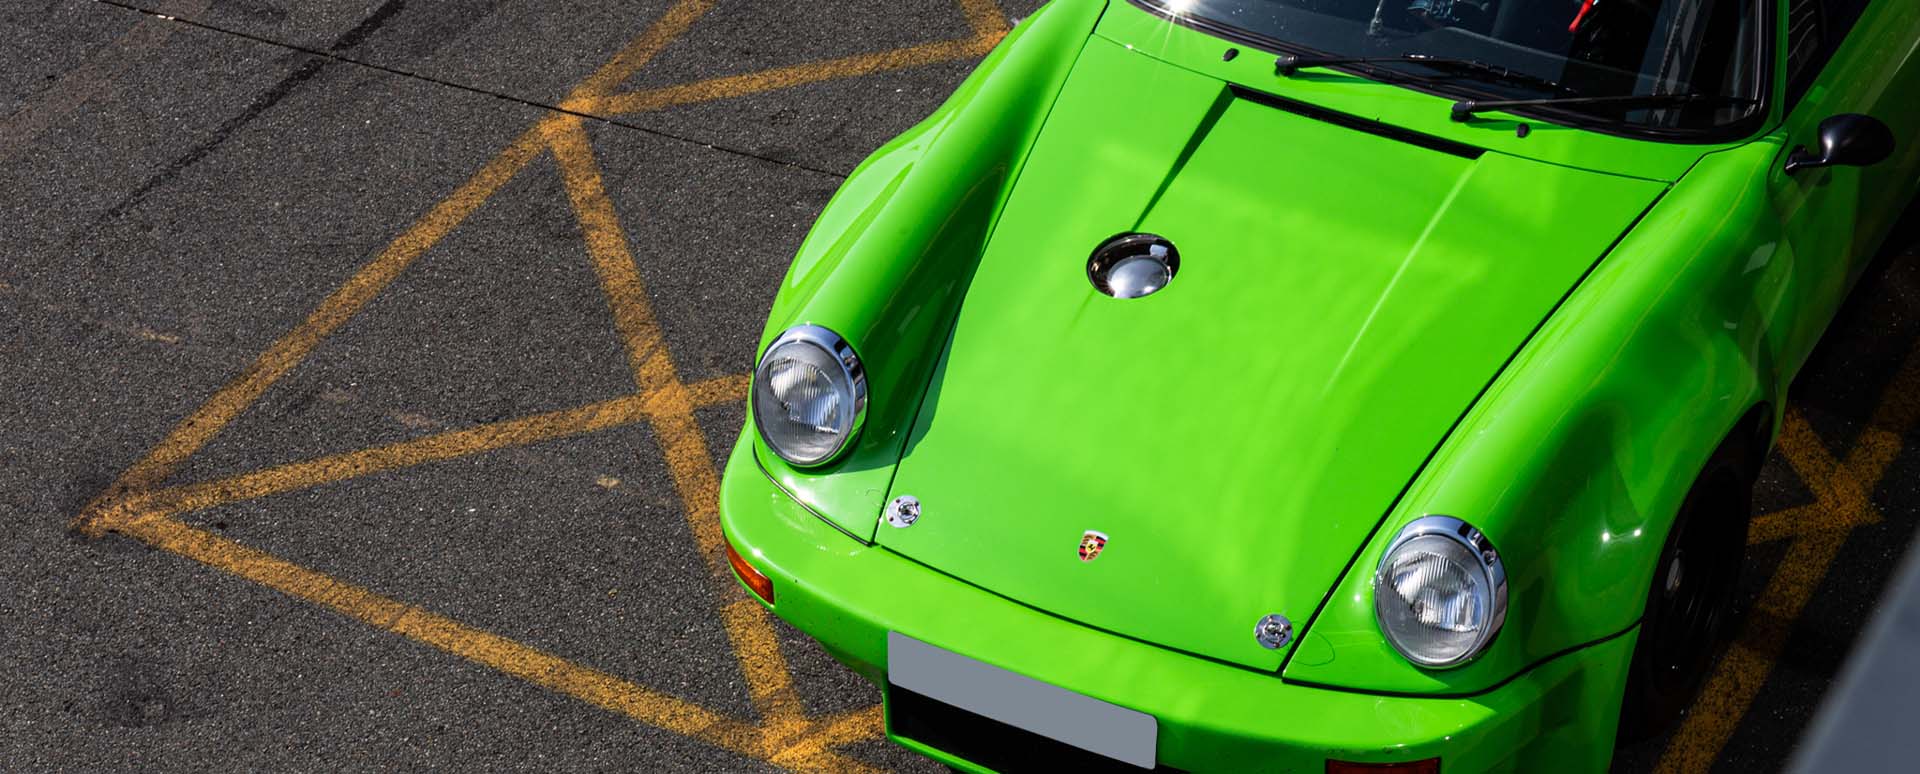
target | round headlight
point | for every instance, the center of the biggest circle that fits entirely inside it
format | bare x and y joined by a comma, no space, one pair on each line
809,395
1440,593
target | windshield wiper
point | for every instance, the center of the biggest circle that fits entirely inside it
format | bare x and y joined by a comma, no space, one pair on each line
1288,64
1464,109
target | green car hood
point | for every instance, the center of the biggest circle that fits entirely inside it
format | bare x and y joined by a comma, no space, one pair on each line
1342,299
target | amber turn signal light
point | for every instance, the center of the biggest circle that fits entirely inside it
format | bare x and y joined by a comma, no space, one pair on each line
761,584
1428,766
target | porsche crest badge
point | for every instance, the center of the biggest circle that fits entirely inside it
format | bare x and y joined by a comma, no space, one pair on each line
1091,544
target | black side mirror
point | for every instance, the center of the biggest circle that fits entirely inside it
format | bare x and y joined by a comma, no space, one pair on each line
1849,139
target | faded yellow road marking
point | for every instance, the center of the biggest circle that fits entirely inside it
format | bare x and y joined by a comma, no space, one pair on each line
1844,500
785,735
339,467
1840,501
678,434
284,354
643,49
988,23
985,17
787,77
530,664
836,730
718,390
491,650
346,300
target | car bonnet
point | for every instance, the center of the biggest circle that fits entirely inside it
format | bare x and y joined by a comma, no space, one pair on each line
1342,298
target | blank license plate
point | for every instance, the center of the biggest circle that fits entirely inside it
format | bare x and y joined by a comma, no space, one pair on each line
1022,702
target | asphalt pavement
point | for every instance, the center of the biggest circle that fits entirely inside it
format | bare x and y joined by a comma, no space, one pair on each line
366,367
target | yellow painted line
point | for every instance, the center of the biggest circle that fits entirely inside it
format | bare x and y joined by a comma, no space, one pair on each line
757,649
668,28
370,280
861,725
1897,415
341,305
1737,679
609,251
718,390
485,648
731,86
1843,492
1844,500
283,355
785,735
1842,497
681,441
339,467
985,17
479,439
812,750
1786,524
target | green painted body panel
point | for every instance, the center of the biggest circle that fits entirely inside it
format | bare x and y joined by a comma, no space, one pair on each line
1546,340
1577,459
1212,717
1341,309
889,258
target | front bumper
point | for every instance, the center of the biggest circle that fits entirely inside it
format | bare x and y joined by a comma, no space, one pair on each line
1212,716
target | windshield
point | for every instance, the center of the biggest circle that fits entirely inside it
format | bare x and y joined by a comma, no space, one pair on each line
1569,48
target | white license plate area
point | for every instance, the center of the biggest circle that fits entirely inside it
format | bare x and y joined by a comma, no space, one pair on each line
1022,702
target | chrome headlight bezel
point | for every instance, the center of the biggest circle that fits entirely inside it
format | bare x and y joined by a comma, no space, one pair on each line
1489,570
850,381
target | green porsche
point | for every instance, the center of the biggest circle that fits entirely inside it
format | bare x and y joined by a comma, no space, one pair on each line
1316,385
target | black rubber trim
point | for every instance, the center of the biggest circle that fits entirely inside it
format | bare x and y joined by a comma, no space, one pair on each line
983,741
1350,121
1542,661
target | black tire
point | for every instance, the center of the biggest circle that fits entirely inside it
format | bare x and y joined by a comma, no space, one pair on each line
1690,599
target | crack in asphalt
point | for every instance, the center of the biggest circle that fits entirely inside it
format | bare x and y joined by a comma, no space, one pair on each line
334,53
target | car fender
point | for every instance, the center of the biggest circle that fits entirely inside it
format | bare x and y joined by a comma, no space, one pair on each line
1576,459
888,260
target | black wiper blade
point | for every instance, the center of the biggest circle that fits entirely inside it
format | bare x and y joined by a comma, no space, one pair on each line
1464,109
1288,64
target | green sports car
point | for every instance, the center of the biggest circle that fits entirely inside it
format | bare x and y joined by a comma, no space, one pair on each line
1316,385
